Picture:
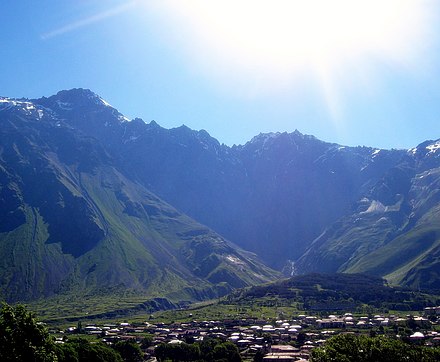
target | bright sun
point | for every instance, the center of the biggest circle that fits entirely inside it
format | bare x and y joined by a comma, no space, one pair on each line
279,40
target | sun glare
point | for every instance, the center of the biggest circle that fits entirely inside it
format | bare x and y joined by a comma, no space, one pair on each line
279,40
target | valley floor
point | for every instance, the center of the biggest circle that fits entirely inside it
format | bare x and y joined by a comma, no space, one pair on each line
290,338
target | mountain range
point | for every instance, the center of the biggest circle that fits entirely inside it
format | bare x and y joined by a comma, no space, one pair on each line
92,201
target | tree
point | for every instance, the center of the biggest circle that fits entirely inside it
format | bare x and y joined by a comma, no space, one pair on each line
300,339
227,352
129,351
66,353
22,338
212,350
178,352
81,350
146,342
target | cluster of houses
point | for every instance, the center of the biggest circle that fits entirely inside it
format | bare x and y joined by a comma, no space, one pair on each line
281,340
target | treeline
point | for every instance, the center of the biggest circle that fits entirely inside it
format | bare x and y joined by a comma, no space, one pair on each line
316,289
209,350
22,338
362,348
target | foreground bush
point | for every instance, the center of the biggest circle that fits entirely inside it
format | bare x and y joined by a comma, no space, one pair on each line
22,338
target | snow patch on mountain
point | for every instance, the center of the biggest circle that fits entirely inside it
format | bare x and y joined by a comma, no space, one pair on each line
234,260
427,148
375,152
6,103
25,107
104,102
375,207
433,148
412,151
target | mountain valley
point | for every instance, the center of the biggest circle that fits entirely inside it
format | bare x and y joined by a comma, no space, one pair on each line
94,203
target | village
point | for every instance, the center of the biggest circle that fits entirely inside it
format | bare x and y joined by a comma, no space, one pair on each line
283,340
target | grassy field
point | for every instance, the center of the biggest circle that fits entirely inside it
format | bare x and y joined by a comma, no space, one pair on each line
314,294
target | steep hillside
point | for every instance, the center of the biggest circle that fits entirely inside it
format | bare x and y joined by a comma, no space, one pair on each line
395,231
73,222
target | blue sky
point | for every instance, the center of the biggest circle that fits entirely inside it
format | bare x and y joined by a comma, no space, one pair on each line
355,75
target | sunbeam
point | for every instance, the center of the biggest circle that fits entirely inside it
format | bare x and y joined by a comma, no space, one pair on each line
90,20
242,43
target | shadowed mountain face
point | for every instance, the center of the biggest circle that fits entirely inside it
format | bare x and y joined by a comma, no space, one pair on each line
273,195
73,220
88,194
